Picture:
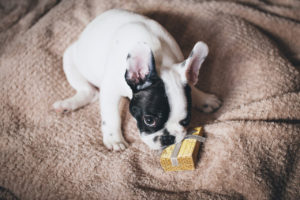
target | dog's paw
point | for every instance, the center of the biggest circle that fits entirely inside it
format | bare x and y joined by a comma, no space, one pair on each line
63,106
209,103
114,141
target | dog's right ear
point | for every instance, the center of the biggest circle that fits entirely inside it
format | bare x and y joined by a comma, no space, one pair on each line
140,71
189,68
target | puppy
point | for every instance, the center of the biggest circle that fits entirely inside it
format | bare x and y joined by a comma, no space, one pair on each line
129,55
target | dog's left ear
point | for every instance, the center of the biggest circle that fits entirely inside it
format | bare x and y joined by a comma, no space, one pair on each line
189,68
140,71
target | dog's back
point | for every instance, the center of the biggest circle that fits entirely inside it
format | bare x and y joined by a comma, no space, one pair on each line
104,44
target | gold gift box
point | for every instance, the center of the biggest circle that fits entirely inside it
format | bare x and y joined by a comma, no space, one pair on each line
186,157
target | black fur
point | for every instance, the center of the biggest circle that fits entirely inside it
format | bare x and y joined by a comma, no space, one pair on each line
151,101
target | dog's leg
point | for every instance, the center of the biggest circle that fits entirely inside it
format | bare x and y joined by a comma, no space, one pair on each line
111,119
85,92
204,101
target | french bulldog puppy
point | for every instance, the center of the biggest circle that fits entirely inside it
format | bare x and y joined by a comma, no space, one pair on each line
129,55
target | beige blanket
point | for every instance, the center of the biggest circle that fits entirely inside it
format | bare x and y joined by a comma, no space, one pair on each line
252,149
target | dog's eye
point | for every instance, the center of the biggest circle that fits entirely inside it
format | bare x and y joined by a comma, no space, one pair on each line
150,120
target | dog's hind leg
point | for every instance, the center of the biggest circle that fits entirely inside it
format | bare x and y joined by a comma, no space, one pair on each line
85,92
204,101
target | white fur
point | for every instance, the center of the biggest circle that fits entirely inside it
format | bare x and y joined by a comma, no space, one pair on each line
177,100
98,59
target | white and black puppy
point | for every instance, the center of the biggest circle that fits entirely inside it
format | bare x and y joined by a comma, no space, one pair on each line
129,55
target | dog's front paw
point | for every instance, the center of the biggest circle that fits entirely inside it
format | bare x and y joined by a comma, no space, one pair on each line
209,103
114,141
63,106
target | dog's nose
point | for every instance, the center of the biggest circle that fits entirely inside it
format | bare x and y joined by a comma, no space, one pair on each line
167,140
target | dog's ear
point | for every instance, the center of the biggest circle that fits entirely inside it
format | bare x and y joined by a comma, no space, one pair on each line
189,68
140,71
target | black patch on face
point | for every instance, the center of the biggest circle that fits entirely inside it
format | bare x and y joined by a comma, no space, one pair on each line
151,101
186,121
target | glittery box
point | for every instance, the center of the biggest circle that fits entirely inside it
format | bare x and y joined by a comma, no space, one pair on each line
187,154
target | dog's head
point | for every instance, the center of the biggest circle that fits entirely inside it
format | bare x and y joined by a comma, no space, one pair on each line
161,103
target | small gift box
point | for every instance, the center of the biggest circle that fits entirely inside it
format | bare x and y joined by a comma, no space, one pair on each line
183,155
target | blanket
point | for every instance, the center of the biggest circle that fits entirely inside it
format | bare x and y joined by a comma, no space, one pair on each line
253,140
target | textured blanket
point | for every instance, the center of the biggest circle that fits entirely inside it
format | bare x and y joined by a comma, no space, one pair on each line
252,147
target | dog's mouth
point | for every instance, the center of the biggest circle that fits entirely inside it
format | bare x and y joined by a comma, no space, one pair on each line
161,141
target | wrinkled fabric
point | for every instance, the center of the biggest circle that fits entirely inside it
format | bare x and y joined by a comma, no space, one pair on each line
253,140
